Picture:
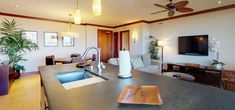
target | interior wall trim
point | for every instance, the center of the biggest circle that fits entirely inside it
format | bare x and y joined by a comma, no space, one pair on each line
181,16
195,13
30,73
135,22
47,19
89,24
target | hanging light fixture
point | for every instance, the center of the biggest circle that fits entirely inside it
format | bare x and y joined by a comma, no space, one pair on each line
97,7
77,15
70,33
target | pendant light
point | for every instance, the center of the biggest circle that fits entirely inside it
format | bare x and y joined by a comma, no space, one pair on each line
97,7
77,15
70,33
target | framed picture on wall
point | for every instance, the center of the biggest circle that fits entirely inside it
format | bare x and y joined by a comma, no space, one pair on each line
31,35
68,42
50,39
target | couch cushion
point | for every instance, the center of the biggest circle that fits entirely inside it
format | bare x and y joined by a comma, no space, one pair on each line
150,69
113,61
146,60
137,62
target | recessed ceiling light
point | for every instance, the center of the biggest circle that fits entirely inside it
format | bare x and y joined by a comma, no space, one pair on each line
219,2
16,6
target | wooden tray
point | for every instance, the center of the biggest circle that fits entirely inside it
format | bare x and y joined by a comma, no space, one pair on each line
140,95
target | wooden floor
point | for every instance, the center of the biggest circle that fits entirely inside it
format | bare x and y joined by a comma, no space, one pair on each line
24,94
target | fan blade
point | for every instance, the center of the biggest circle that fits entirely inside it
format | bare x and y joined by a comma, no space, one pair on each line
161,6
181,4
171,13
159,12
184,9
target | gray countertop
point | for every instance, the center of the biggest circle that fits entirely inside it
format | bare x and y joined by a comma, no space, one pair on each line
176,94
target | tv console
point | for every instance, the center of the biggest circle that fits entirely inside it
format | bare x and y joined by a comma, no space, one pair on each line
203,74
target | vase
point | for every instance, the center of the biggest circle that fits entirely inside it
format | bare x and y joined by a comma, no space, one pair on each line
17,75
218,66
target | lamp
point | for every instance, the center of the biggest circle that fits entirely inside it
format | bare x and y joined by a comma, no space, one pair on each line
77,15
134,40
134,36
97,7
161,44
70,33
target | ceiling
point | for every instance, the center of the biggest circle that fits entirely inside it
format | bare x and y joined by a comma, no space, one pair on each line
114,12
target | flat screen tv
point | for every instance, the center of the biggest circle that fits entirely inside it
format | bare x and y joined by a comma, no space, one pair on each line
193,45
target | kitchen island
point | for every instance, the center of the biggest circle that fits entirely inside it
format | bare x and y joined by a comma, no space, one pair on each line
175,94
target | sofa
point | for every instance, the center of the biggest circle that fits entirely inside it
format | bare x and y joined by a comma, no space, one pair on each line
142,63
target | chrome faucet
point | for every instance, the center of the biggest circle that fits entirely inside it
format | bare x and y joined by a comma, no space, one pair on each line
100,65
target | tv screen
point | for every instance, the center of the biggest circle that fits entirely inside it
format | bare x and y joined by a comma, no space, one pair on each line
193,45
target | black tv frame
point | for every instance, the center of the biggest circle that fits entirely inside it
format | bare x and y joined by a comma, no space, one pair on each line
193,54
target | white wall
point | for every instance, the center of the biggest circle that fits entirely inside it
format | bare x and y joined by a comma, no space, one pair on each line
145,34
219,25
139,32
88,37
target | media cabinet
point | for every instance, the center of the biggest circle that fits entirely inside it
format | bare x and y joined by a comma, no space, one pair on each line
203,74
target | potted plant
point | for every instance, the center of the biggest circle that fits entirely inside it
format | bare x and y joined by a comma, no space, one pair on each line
14,44
217,64
18,68
153,50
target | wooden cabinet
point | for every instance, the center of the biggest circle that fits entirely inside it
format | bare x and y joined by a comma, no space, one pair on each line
6,77
203,74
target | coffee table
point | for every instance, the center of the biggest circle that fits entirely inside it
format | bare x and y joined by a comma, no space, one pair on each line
181,76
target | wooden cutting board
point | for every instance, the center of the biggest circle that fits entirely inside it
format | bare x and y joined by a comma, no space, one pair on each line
140,95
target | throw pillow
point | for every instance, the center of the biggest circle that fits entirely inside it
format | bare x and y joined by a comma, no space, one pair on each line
137,62
113,61
146,60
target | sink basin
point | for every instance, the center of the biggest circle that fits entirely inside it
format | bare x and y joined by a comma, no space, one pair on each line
78,78
71,76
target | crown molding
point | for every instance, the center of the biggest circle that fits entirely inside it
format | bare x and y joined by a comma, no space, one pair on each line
97,25
135,22
47,19
195,13
140,21
181,16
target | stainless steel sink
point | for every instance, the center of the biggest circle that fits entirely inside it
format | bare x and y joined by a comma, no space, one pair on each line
78,78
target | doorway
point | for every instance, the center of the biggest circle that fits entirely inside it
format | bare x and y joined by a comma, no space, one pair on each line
125,40
105,44
115,45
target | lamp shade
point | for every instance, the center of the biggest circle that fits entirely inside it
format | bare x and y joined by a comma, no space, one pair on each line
97,7
162,43
70,34
77,16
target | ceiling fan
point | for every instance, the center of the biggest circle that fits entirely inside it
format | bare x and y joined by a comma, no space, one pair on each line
172,7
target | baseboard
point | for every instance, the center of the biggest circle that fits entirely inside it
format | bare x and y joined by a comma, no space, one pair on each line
30,73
